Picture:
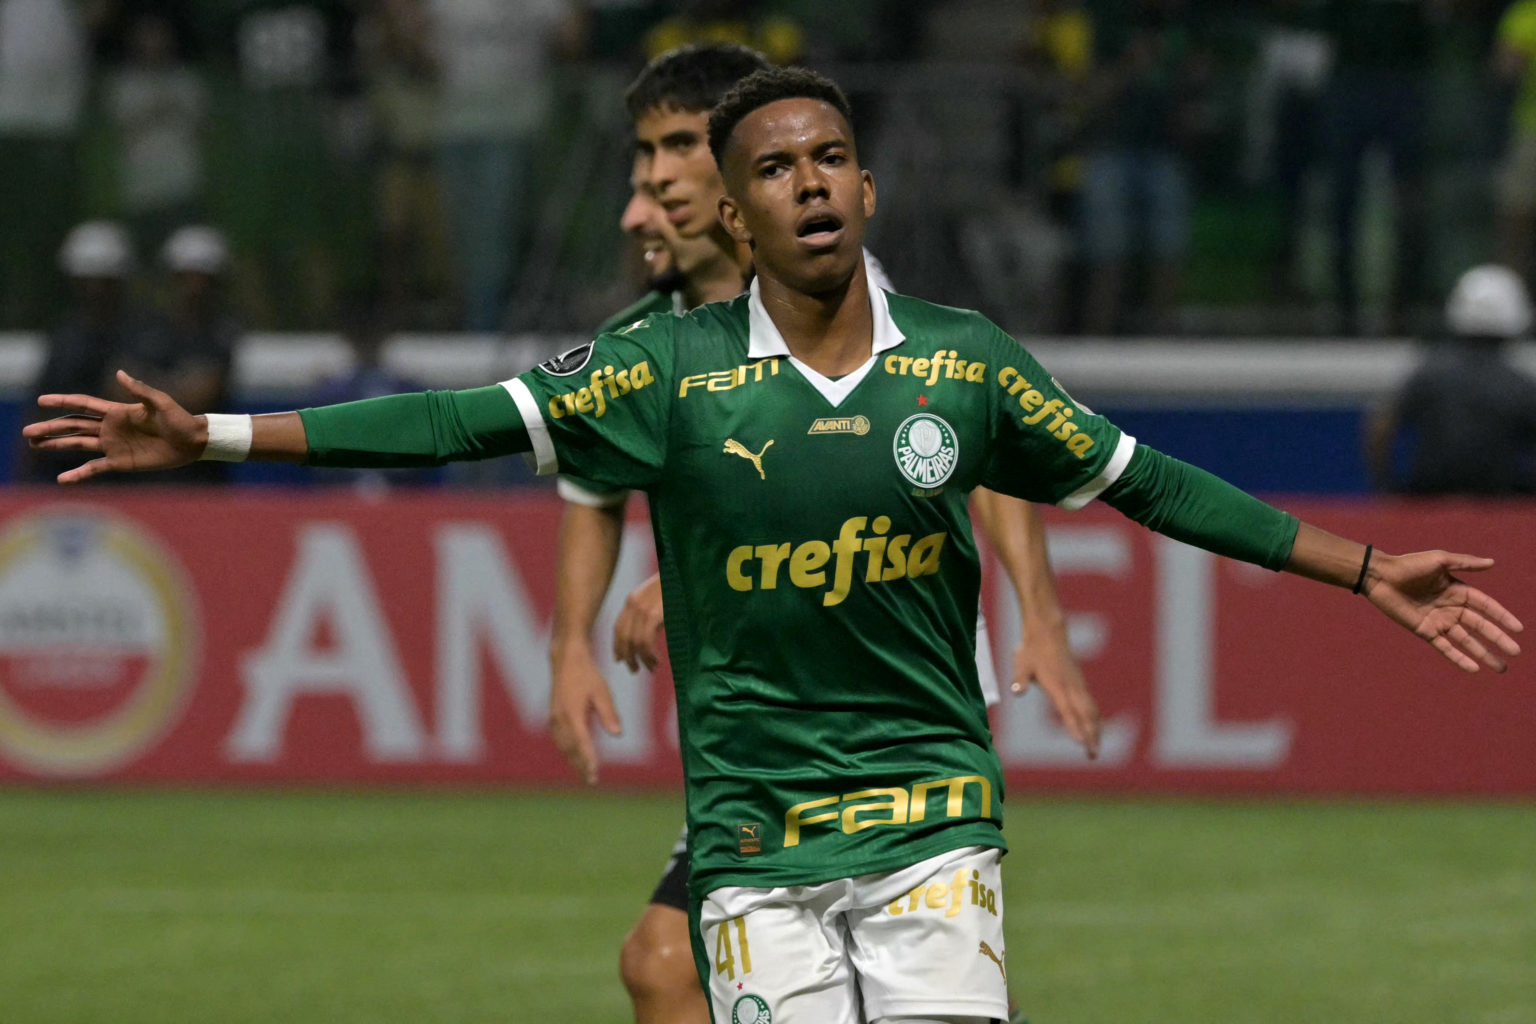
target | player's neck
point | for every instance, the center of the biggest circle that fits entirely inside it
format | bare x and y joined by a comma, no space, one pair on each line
832,333
718,280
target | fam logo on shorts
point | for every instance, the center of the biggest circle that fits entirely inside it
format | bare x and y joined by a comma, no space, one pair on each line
98,640
926,449
750,1009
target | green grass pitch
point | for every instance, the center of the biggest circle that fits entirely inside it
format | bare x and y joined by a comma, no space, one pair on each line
127,906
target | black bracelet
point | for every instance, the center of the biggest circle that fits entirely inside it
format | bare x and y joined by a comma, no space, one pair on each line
1364,564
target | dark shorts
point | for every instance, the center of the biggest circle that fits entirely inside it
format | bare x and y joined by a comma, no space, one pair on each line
672,890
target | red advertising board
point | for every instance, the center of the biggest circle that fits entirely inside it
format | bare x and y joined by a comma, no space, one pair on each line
246,637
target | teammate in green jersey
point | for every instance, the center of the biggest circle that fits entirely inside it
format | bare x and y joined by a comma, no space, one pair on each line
807,450
692,260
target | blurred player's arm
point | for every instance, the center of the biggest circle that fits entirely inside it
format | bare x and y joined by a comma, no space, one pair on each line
591,533
1044,655
637,633
1377,438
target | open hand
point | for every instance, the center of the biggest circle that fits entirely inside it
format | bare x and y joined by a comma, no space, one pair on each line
1045,657
152,432
579,694
1421,593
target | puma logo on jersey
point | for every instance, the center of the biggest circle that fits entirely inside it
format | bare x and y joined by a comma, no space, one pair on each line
987,952
734,447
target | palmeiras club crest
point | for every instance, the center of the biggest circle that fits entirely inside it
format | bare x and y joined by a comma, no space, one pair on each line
926,449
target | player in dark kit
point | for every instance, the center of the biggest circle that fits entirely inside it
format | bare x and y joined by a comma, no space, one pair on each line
844,801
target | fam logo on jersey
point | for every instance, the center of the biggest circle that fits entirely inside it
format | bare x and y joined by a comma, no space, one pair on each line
926,449
750,1009
97,642
568,362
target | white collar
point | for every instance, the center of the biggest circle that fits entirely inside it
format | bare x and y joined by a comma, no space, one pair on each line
764,339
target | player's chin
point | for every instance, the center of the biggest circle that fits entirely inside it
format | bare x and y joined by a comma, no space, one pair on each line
816,271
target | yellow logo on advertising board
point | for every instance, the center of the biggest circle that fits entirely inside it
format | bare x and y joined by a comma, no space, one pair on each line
98,640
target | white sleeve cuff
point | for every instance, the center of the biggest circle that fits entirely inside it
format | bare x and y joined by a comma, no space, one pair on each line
576,494
1124,449
542,458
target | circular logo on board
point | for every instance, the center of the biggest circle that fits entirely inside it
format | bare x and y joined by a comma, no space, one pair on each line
97,642
926,449
750,1009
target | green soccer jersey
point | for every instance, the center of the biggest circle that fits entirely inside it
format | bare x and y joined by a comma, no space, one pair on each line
649,303
817,564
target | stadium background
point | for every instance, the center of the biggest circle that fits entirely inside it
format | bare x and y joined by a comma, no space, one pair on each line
287,760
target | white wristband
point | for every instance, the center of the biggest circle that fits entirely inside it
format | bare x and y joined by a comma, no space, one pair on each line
229,438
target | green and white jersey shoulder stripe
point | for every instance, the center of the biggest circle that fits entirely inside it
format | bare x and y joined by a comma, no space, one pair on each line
818,567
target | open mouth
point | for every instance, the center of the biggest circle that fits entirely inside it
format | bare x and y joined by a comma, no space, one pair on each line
820,229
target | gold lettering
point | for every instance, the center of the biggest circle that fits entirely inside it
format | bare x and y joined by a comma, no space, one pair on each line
1031,400
640,375
956,804
897,554
976,373
693,380
557,407
805,563
938,893
796,817
845,547
920,367
890,364
772,556
733,563
623,381
1045,410
1078,444
894,806
584,400
722,380
924,559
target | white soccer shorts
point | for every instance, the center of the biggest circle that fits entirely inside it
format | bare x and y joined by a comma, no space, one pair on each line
923,941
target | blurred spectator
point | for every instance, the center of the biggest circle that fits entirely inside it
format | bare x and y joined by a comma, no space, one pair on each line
402,81
1467,416
196,345
1284,102
1376,99
102,326
43,81
159,105
1514,61
1146,102
778,38
289,198
494,58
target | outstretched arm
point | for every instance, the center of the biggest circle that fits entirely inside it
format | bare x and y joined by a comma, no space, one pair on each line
1016,533
588,551
154,432
1418,591
149,433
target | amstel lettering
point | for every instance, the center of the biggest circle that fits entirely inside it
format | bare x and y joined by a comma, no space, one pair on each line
855,812
942,365
725,380
1037,409
606,386
887,558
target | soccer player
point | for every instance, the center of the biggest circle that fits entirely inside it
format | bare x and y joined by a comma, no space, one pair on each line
691,260
844,800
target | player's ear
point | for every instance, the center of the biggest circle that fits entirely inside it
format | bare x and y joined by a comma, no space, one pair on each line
730,218
869,194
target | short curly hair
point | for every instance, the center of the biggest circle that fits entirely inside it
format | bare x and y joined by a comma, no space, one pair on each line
769,86
691,78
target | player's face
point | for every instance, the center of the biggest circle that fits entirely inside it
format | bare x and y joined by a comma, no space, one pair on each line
672,158
797,194
644,220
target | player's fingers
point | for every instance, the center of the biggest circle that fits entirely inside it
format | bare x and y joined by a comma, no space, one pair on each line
1489,632
1493,611
61,425
1467,563
84,472
647,649
574,742
1454,656
151,397
607,714
66,443
86,404
1463,638
1092,728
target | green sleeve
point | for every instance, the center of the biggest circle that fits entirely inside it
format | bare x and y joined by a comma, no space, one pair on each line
428,428
1191,505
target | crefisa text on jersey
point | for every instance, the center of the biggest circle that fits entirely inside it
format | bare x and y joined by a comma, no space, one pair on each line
591,399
